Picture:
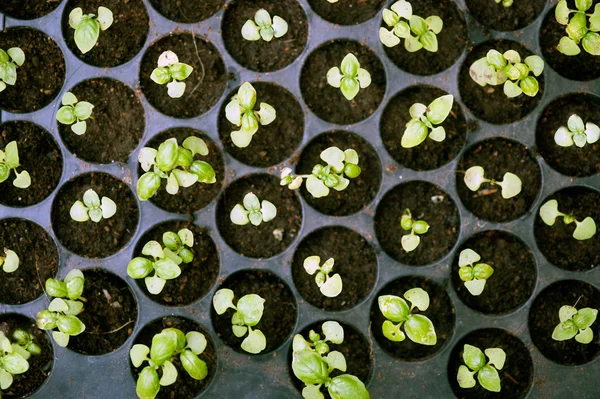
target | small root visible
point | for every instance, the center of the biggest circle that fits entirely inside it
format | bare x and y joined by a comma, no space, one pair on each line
112,331
203,72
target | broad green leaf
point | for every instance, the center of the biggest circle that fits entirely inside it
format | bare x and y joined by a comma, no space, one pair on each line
79,212
70,325
415,134
439,109
154,284
223,300
475,287
393,308
10,73
418,298
388,38
347,386
412,44
511,185
61,338
585,230
147,385
251,309
482,271
568,46
316,187
58,305
268,210
167,269
312,392
73,307
465,377
350,65
169,374
19,350
148,185
595,19
171,241
95,214
333,331
585,336
205,172
390,17
496,59
332,287
563,137
167,154
86,34
512,90
562,12
349,87
489,379
468,257
591,43
477,71
187,237
429,41
56,288
473,357
536,64
583,5
566,313
66,115
138,354
309,367
474,177
180,71
255,342
14,363
564,331
336,360
576,29
79,128
194,366
402,30
163,347
420,330
434,23
83,110
246,96
466,273
585,317
46,320
160,75
196,342
12,155
410,242
497,357
172,256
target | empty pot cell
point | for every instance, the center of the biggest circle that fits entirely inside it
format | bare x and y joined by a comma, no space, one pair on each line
189,11
350,12
28,9
497,17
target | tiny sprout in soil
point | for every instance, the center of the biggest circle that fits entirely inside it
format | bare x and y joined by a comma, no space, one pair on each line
248,313
312,363
166,261
423,119
13,356
584,230
577,29
575,323
87,27
10,261
92,208
252,211
424,30
9,160
263,27
487,373
74,113
171,72
419,328
169,343
9,61
351,78
577,133
505,3
417,227
473,274
510,184
329,286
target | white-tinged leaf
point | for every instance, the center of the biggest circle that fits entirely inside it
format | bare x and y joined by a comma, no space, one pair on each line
268,210
11,261
388,38
280,26
266,114
138,353
535,64
417,110
410,242
336,360
434,23
497,357
255,342
585,229
155,284
109,208
241,138
239,215
585,336
468,257
169,374
196,342
566,312
312,264
175,89
79,212
222,300
334,157
105,17
167,58
475,286
363,77
592,131
23,180
79,128
333,331
239,331
563,137
61,338
58,305
316,187
332,287
465,377
334,77
575,124
246,96
69,99
511,185
418,297
403,8
250,31
172,184
474,177
511,89
75,17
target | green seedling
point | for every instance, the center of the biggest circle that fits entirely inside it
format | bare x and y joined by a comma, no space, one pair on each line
417,227
584,230
74,113
575,323
172,73
9,160
423,119
487,373
350,78
472,273
577,133
510,184
252,211
92,208
10,261
13,360
87,27
577,28
329,286
263,27
25,345
505,3
9,61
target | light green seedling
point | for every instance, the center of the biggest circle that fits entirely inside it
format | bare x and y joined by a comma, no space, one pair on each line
25,344
329,286
577,28
487,373
510,184
253,211
9,160
9,61
505,3
416,227
584,230
74,113
575,323
472,273
263,27
248,312
12,362
350,78
10,261
87,27
418,327
423,119
577,133
172,73
92,208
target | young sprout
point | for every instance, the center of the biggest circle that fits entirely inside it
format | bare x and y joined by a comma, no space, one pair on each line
577,29
174,163
240,111
322,178
577,133
312,363
487,373
423,119
12,361
505,3
9,61
248,313
419,328
168,344
9,160
351,78
74,112
584,230
425,30
329,286
263,27
24,344
575,323
511,184
87,27
10,261
474,275
92,208
62,313
496,69
411,241
172,73
252,211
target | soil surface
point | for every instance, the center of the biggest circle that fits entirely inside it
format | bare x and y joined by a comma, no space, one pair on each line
497,17
188,11
452,40
514,276
429,154
28,9
354,11
89,239
40,366
327,102
275,142
38,260
116,126
186,387
490,103
360,192
440,312
516,376
498,156
197,277
426,202
280,310
543,319
122,41
355,261
41,76
109,313
39,155
260,241
570,161
203,88
198,196
259,55
557,242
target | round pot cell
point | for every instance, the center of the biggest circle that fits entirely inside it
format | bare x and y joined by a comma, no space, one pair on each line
497,17
353,13
189,11
28,9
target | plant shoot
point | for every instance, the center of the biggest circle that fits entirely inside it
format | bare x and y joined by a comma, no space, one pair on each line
87,27
423,120
263,27
9,61
583,231
329,286
487,373
350,78
577,133
577,28
9,160
92,208
472,273
172,73
575,323
424,30
74,113
252,211
510,184
416,227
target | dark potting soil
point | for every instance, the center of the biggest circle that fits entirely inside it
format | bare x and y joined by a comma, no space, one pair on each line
203,88
557,242
260,241
440,312
327,102
116,126
40,366
426,202
452,40
355,261
186,387
39,155
272,143
38,260
355,348
354,11
490,103
199,195
188,11
497,17
280,310
28,9
41,76
571,161
543,319
516,376
514,276
429,154
116,45
259,55
583,66
360,192
498,156
197,277
89,239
